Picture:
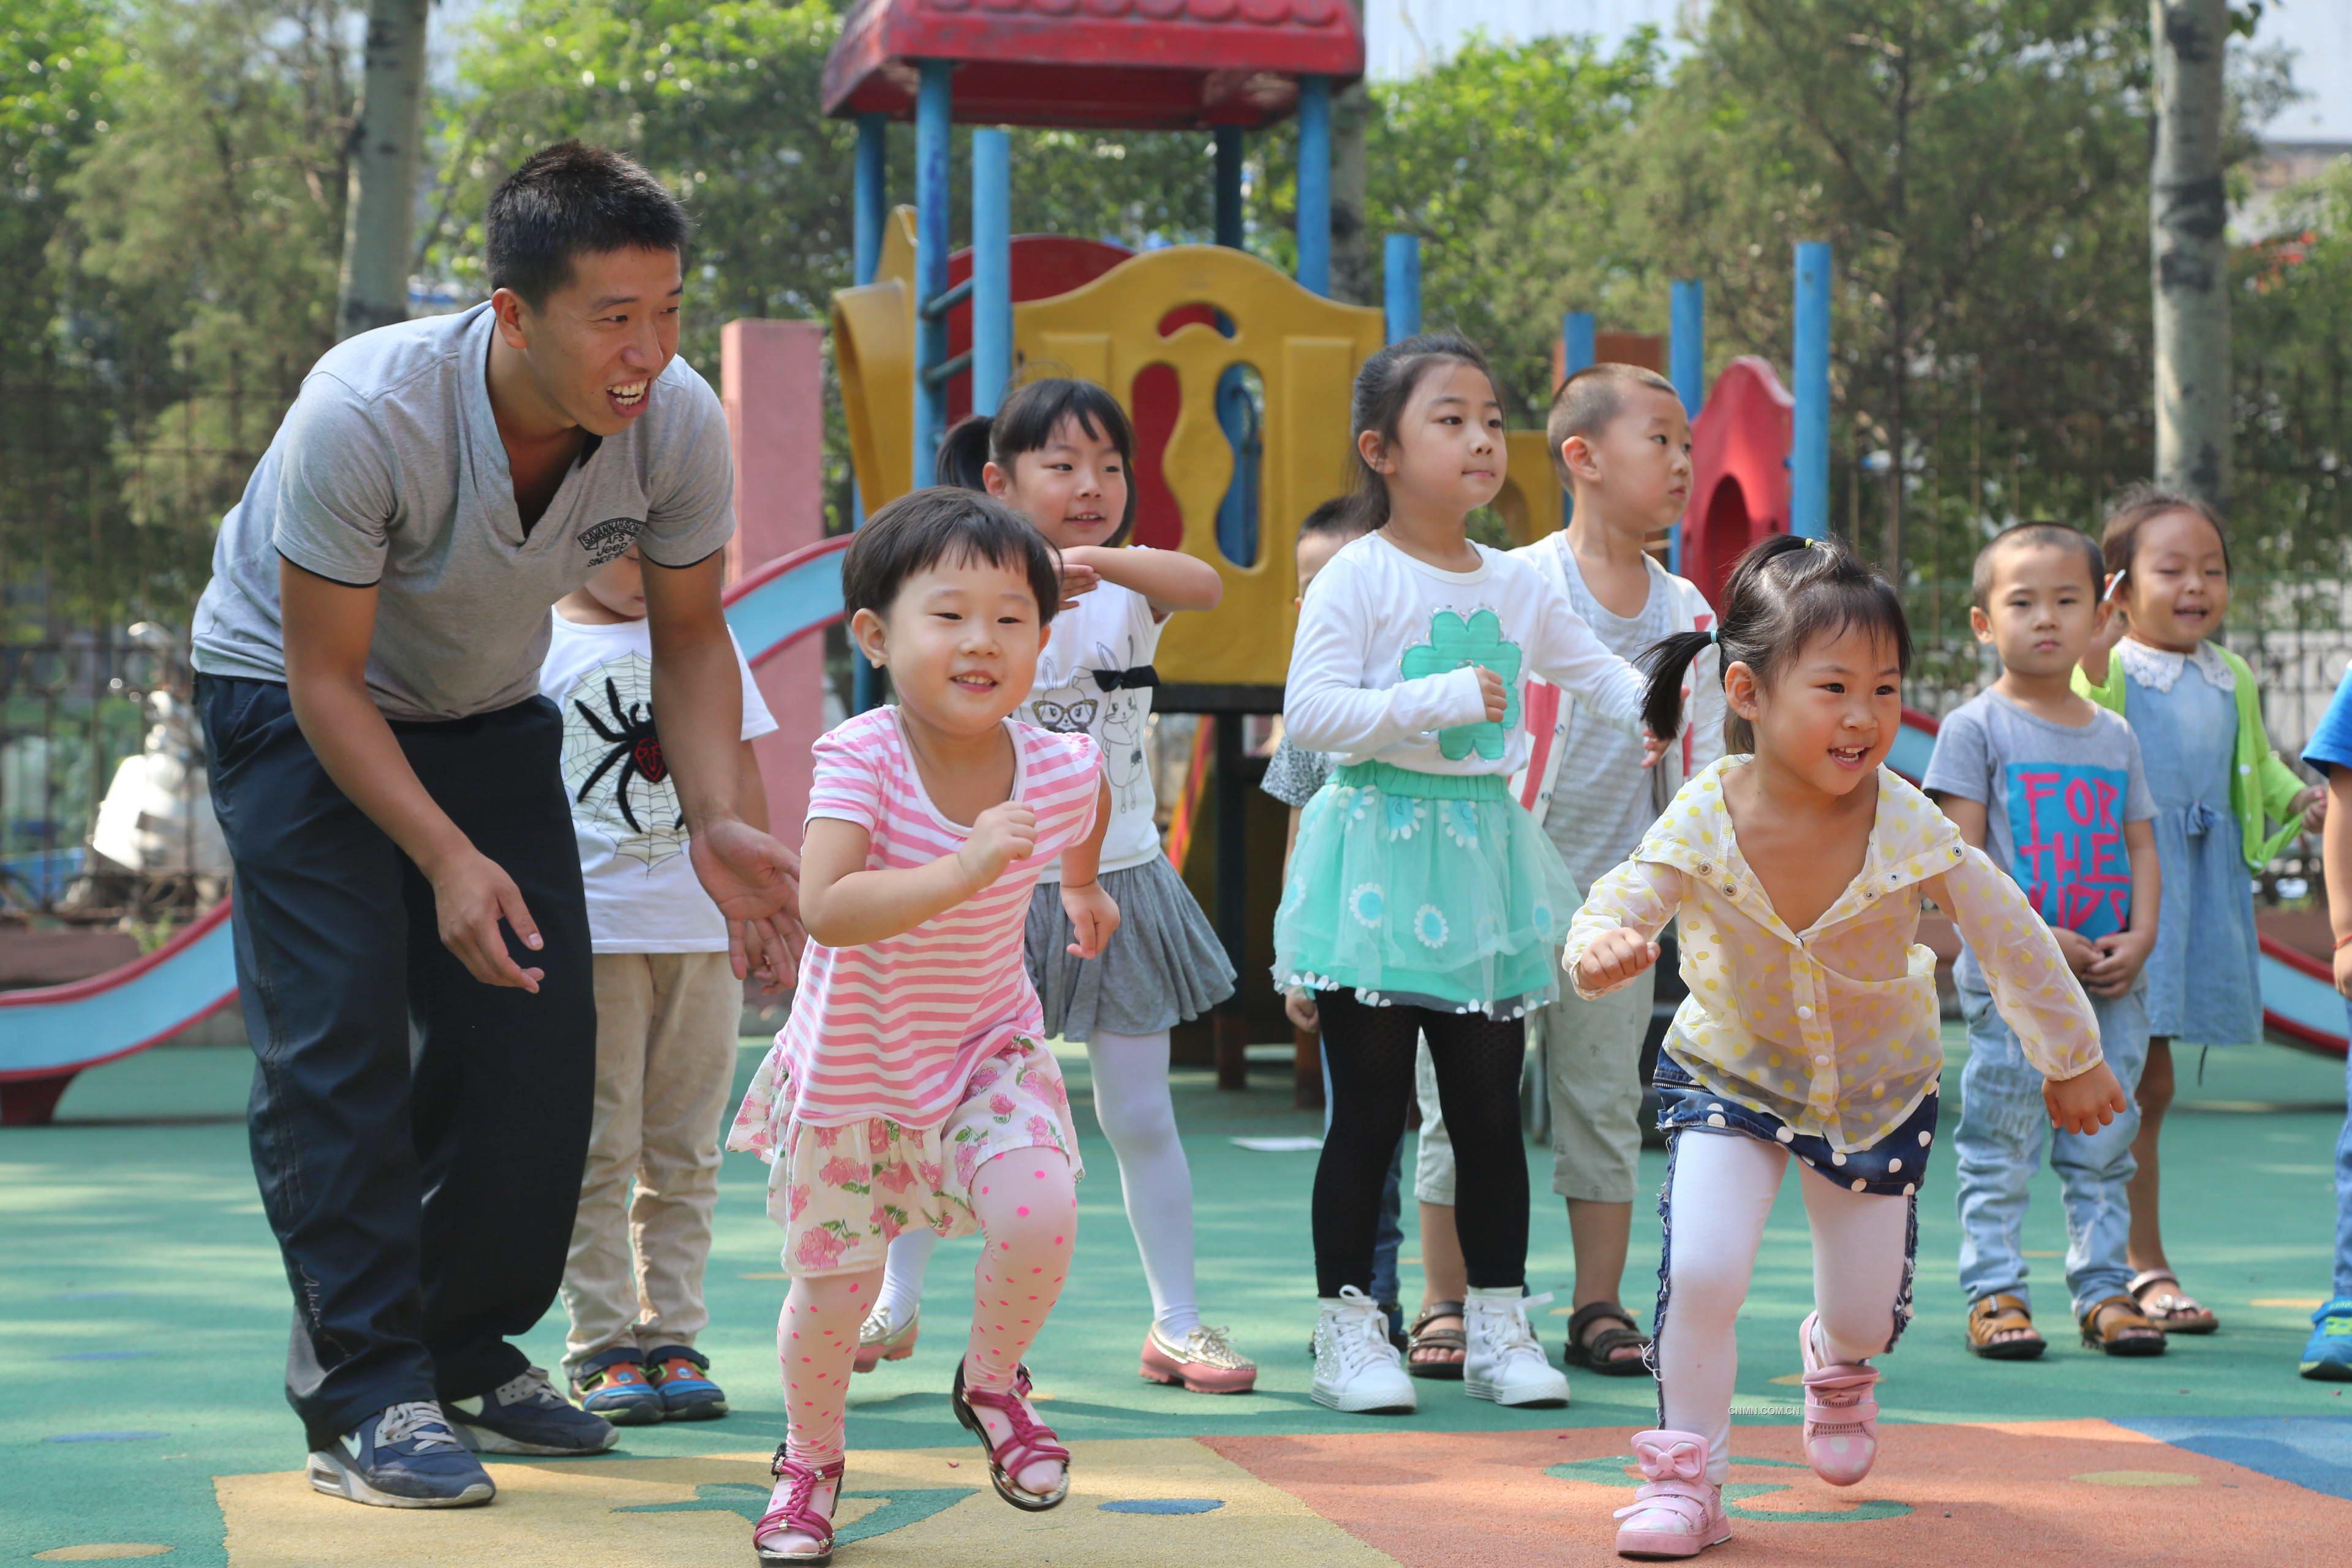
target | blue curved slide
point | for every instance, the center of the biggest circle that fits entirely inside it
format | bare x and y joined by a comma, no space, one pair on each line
48,1034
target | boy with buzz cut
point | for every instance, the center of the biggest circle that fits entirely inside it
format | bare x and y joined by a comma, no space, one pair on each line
2049,784
1620,444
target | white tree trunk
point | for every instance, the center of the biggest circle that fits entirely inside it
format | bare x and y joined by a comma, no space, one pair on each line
381,209
2188,211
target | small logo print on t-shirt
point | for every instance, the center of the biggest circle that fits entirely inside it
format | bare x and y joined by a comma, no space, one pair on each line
610,540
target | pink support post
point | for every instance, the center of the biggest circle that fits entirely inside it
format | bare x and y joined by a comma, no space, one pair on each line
771,379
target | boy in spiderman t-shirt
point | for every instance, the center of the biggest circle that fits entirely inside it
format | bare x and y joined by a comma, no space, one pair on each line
668,1010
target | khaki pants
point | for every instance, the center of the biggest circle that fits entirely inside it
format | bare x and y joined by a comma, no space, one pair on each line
1592,1059
665,1042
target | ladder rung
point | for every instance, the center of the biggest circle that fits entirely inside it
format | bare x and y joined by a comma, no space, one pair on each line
939,373
956,294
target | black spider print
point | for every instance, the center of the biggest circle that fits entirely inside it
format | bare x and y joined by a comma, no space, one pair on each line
636,748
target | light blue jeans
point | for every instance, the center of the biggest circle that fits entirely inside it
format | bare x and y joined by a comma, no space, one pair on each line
2004,1129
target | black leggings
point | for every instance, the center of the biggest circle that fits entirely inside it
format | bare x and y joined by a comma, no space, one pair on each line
1371,1053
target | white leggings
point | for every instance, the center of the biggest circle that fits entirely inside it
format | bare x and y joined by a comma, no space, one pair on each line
1131,1101
1723,1188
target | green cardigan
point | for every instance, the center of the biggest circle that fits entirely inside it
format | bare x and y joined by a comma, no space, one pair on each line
2262,787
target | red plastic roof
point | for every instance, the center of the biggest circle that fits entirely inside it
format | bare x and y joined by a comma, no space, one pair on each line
1139,65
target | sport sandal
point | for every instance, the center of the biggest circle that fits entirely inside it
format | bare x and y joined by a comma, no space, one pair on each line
1676,1511
1840,1414
793,1507
2167,1306
1600,1353
2115,1326
1031,1441
1453,1342
2001,1313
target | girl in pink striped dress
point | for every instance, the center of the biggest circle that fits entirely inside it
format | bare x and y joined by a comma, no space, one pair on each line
911,1088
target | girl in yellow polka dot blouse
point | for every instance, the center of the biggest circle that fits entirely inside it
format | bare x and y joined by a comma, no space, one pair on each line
1797,865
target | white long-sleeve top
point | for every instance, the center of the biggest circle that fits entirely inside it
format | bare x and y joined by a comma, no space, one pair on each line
1385,664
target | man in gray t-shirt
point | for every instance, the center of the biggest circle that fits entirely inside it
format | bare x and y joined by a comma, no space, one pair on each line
388,780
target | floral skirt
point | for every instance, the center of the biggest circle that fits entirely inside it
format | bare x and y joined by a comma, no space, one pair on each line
1433,890
844,1191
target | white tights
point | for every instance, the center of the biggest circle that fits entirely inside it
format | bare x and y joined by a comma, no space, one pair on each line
1724,1184
1131,1101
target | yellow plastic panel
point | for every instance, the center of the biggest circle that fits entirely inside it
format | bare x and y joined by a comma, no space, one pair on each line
1531,501
874,355
1305,350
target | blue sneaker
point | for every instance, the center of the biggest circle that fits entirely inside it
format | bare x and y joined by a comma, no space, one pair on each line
686,1392
525,1416
405,1456
2327,1356
612,1384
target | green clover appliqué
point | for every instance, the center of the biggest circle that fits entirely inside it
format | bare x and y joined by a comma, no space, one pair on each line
1453,642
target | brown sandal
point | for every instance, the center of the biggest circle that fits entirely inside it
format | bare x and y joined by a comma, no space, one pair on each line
2169,1307
2001,1313
1600,1353
1422,1337
2116,1326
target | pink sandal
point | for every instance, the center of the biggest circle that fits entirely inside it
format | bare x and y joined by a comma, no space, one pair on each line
1840,1414
1031,1441
797,1511
1676,1512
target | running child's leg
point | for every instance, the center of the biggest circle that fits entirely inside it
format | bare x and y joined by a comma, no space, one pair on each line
816,1335
1719,1191
1862,1269
1027,1201
1129,1073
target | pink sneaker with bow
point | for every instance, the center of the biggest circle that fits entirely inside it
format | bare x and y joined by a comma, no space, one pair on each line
795,1530
1840,1414
1678,1513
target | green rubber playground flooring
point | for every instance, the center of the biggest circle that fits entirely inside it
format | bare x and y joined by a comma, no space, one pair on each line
146,1312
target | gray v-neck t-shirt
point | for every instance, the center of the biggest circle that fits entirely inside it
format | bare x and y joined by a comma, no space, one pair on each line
388,471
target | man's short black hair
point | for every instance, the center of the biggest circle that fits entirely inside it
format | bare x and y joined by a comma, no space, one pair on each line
570,200
945,523
2048,535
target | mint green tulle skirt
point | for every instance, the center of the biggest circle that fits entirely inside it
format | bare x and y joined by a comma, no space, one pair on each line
1430,890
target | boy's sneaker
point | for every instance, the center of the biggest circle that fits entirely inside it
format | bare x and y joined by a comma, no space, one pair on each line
686,1392
524,1415
405,1456
2327,1355
1504,1361
613,1385
1356,1368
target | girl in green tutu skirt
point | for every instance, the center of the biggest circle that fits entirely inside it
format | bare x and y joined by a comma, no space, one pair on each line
1421,899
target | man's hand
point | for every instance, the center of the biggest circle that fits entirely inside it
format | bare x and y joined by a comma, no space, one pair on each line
2119,956
2080,952
756,883
2085,1102
1000,836
1299,1006
1614,959
471,894
1094,915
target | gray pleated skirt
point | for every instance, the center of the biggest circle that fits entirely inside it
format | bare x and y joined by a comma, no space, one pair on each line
1162,965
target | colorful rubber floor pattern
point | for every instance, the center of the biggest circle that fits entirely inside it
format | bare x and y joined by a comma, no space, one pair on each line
144,1303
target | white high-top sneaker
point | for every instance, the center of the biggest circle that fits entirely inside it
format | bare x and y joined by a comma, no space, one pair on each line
1356,1368
1505,1362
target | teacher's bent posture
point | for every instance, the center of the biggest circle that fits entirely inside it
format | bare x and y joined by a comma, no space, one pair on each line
412,946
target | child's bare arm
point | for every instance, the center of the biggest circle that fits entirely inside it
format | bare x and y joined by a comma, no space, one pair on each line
1093,913
1170,579
845,905
2122,954
1967,816
2335,856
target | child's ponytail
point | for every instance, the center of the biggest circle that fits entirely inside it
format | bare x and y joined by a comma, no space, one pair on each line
1785,592
963,454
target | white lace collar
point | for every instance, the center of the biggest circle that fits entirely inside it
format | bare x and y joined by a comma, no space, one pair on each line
2159,668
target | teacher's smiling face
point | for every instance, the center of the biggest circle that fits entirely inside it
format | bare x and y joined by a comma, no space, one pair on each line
595,346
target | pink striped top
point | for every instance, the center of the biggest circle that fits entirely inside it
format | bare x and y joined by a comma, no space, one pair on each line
894,1028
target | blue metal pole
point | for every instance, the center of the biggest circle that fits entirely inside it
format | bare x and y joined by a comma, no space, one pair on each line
933,103
870,193
991,269
1809,454
873,145
1314,183
1400,266
1687,352
1576,340
1229,187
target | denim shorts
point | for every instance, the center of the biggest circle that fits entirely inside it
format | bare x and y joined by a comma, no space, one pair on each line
1894,1166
